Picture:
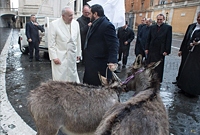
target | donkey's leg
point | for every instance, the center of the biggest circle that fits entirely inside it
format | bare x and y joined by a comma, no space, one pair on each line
47,131
46,128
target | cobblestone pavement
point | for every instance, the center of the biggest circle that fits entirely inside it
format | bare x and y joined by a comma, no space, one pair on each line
23,76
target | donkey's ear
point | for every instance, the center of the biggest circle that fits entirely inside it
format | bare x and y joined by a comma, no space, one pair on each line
156,64
138,62
153,65
103,80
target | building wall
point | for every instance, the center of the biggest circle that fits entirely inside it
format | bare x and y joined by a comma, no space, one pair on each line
128,5
50,8
4,3
136,5
139,17
149,14
146,4
181,18
181,13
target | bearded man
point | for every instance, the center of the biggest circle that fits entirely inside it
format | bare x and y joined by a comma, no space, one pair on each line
101,47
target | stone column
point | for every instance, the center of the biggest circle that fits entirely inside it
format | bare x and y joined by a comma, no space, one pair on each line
78,7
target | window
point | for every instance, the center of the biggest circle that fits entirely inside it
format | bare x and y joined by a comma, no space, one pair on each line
132,6
151,3
162,2
142,6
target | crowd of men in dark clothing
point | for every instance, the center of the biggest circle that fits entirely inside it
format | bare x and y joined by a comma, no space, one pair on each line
153,42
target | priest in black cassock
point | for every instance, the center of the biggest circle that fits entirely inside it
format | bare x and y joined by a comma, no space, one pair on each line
183,52
159,44
189,78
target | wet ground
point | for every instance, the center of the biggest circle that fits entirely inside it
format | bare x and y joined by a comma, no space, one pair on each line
4,33
23,76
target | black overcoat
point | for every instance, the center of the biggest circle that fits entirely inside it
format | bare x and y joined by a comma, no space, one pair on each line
184,45
137,45
158,42
101,48
83,23
33,34
125,35
32,31
189,79
143,39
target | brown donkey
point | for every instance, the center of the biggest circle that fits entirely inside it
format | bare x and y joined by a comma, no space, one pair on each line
76,109
143,114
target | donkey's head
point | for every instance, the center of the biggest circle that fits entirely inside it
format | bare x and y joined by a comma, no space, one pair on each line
146,78
137,66
114,83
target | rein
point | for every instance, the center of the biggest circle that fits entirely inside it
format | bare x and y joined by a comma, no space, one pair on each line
131,77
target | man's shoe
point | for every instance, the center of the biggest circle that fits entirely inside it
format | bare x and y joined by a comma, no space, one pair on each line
124,66
181,91
117,71
30,60
174,82
39,60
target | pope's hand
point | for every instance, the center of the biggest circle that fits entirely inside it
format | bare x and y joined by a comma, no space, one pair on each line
57,61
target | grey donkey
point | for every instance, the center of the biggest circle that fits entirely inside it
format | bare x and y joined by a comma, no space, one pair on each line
76,109
143,114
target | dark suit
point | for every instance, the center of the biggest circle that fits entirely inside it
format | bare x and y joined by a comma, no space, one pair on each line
124,35
138,49
184,45
158,42
101,48
143,39
33,34
83,23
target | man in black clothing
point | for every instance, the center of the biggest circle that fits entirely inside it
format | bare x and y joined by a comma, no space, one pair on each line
101,47
159,44
183,51
84,23
138,49
126,36
33,38
143,37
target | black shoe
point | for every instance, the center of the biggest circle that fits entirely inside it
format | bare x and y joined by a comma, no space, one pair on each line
124,66
39,60
30,60
174,82
117,71
181,91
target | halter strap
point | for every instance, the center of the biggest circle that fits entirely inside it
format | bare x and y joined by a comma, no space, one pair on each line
131,77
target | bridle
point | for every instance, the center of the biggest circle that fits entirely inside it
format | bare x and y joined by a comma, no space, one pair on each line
131,77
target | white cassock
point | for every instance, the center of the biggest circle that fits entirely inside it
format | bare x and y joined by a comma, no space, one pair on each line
64,43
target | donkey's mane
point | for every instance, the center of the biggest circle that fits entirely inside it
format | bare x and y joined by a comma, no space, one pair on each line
147,95
63,86
131,106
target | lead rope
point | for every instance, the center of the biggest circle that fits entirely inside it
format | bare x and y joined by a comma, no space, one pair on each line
131,77
106,72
